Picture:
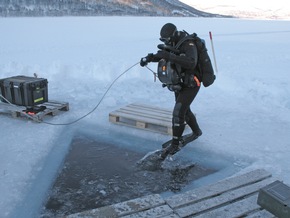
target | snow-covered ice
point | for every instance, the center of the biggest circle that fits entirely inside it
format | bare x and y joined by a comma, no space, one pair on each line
244,115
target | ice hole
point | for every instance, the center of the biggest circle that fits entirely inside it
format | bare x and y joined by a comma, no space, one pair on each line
97,173
94,167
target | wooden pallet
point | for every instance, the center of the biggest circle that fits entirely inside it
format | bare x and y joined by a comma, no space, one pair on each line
232,197
52,109
144,117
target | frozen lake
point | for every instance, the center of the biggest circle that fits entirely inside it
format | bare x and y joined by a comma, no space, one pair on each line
244,115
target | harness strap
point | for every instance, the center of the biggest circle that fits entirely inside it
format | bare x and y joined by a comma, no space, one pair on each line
189,36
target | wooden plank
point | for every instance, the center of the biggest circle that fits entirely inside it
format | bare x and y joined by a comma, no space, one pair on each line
169,131
143,107
143,113
141,125
223,199
156,212
238,209
124,208
15,114
132,120
217,188
149,110
64,106
261,214
114,119
141,117
149,126
170,216
152,108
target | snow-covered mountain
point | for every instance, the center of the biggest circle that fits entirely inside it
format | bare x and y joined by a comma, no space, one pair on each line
278,9
97,8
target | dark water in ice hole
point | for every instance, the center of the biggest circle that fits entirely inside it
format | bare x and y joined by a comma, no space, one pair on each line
97,174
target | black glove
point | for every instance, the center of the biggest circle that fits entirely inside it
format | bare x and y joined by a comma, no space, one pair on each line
144,61
163,54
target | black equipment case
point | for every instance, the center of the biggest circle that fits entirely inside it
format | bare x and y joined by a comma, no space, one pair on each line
24,91
275,198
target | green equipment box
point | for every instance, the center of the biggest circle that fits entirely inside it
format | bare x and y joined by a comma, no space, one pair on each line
24,91
275,198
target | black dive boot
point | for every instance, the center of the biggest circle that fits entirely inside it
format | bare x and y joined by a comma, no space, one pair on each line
174,145
170,150
184,140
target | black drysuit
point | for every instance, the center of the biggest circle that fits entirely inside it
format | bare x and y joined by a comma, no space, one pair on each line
186,62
